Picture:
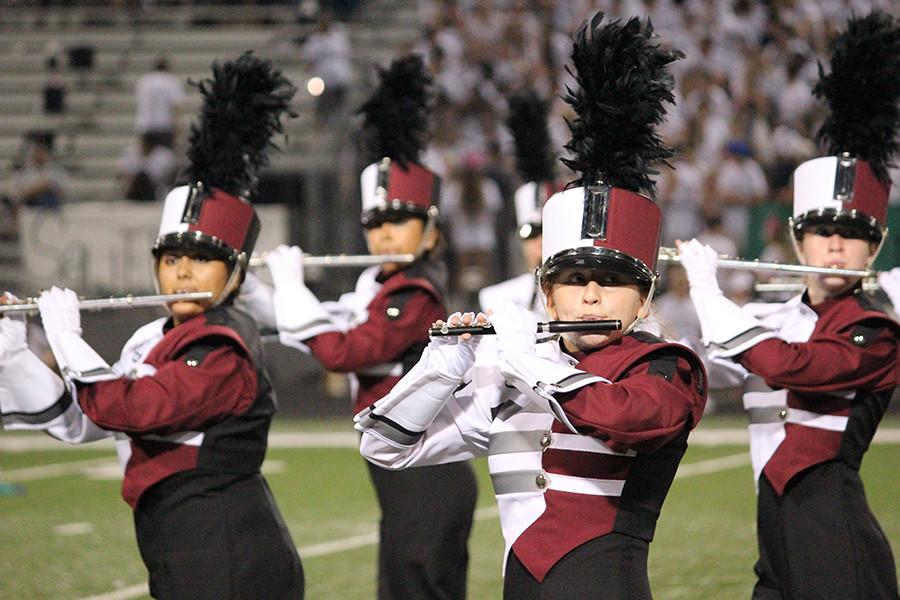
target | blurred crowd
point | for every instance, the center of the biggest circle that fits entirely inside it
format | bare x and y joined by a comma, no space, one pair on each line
745,114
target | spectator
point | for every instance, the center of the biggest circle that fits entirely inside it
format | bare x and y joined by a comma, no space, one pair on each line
327,52
41,181
675,309
471,201
738,183
146,171
54,91
158,97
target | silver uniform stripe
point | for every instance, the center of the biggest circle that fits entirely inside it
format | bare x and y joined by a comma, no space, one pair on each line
186,438
519,482
515,441
393,434
515,482
755,383
766,414
569,441
743,338
776,414
75,374
573,381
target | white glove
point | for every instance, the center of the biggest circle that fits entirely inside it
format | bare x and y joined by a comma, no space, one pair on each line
256,298
420,395
286,266
516,329
450,355
13,339
890,283
59,311
62,324
726,328
700,262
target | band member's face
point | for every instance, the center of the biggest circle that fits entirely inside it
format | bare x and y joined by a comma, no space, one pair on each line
833,246
401,237
191,272
583,294
531,252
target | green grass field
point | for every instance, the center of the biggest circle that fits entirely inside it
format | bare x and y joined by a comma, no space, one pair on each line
66,533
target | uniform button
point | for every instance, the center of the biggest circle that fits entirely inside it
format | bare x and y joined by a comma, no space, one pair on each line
192,362
541,481
859,340
393,312
782,414
546,440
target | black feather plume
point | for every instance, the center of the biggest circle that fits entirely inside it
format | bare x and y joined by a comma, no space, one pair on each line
396,114
527,121
243,104
623,84
863,92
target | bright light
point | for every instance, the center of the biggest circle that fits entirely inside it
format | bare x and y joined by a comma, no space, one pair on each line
315,86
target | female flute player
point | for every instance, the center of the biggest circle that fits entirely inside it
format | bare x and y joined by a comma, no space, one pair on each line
583,434
190,390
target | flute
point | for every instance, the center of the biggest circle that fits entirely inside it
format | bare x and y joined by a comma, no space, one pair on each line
129,301
548,327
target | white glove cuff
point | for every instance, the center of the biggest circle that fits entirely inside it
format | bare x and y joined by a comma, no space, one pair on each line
540,379
410,408
77,360
299,315
257,300
29,392
727,329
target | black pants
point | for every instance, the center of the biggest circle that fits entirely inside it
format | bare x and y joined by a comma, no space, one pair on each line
610,567
426,516
226,542
820,541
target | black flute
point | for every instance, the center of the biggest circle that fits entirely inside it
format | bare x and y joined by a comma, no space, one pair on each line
548,327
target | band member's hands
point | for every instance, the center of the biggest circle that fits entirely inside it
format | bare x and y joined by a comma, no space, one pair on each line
454,355
516,328
700,262
59,311
286,266
890,283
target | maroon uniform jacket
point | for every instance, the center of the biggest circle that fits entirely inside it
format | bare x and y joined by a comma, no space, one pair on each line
657,395
847,368
391,340
206,409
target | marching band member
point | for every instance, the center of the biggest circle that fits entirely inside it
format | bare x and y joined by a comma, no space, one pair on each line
377,332
527,121
583,434
819,370
190,390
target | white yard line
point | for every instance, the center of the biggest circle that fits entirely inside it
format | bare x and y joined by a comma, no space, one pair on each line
73,467
703,467
350,439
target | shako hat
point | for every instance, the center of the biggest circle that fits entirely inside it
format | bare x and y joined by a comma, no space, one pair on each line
534,160
850,186
243,104
395,132
606,221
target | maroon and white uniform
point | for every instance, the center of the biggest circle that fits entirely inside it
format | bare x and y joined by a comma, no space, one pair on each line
199,402
818,384
596,456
